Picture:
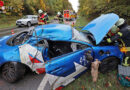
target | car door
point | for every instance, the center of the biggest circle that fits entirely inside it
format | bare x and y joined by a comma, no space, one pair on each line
64,69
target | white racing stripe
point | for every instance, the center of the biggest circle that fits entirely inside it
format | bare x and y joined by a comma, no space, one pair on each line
50,82
27,49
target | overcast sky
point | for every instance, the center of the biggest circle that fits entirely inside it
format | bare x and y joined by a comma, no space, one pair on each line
75,4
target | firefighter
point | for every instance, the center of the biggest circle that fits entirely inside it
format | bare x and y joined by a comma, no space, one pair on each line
123,26
60,17
41,17
46,16
120,31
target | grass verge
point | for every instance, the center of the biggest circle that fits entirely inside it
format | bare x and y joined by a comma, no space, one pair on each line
81,22
8,21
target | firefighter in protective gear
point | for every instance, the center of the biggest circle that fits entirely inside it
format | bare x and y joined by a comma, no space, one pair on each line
123,26
59,16
46,17
41,17
120,31
114,34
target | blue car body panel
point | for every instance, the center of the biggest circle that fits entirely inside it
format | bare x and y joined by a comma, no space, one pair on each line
100,26
9,53
109,51
58,32
64,65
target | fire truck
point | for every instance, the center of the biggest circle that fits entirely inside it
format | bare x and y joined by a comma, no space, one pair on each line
69,15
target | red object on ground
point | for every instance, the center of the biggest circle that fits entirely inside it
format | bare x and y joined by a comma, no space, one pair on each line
41,70
1,3
12,32
59,88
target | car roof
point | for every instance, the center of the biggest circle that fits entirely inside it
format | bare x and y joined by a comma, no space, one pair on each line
58,32
100,26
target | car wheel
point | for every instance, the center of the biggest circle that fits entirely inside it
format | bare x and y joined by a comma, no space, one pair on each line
108,64
29,24
13,71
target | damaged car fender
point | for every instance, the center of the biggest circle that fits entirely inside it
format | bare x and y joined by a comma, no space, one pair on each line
102,52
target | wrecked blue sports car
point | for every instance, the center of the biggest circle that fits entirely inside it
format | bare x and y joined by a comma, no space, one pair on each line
59,50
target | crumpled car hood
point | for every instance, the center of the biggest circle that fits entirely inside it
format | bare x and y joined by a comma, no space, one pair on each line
100,26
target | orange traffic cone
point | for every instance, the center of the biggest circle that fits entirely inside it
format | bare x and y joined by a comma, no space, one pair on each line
12,32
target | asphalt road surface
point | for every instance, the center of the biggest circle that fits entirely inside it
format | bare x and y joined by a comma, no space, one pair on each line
30,81
5,32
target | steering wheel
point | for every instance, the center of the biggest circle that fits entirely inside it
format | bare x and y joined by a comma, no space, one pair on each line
17,40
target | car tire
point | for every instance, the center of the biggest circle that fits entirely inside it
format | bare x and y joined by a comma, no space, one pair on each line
109,64
29,24
13,71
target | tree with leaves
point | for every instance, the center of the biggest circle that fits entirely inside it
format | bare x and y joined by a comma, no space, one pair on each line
94,8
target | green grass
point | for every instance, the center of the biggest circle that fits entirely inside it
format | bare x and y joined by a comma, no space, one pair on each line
8,21
106,81
80,22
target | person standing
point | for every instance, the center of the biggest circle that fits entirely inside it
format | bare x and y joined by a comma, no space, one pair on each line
41,17
123,26
120,31
60,17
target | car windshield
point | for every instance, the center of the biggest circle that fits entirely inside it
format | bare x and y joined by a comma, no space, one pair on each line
80,36
19,38
27,17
